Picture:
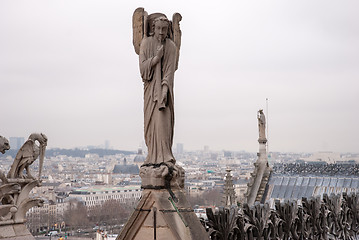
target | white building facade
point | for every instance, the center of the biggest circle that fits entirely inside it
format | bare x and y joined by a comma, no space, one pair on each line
97,195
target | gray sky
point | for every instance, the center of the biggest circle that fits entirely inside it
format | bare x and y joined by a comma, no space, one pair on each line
68,69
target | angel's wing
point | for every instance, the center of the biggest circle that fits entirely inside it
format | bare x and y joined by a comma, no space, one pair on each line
138,28
176,18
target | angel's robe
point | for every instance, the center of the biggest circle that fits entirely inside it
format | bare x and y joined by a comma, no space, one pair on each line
158,124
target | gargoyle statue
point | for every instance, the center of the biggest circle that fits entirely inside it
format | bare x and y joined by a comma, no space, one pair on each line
27,154
4,144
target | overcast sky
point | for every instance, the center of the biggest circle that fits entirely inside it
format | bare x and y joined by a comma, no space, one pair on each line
68,69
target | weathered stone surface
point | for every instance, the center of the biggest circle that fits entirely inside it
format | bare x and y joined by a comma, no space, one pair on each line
15,232
162,176
170,224
21,230
7,231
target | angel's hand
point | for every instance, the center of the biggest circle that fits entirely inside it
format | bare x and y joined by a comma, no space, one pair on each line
159,53
158,56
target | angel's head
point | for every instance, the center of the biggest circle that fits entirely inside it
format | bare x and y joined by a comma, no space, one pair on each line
160,28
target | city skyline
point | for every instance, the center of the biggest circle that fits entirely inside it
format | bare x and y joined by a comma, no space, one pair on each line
68,69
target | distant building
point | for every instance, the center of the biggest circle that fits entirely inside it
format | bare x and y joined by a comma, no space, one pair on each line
16,142
127,169
40,219
328,157
97,195
140,158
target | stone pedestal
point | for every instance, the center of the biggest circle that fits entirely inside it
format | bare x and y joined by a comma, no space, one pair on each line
163,211
163,215
15,202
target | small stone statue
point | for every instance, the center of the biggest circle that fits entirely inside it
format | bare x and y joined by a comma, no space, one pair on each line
261,126
4,144
27,154
15,188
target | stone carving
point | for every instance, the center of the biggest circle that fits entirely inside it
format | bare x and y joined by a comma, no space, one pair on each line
27,154
229,195
15,189
157,41
163,211
260,176
4,144
333,217
261,126
223,223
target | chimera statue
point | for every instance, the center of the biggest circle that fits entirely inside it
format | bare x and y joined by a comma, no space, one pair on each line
16,187
4,144
27,154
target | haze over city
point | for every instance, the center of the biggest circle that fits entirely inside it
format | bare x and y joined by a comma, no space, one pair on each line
69,69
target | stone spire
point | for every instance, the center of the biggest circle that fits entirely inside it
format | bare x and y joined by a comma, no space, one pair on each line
260,176
229,195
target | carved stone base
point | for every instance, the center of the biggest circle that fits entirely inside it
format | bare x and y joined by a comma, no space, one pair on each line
160,176
15,232
15,202
161,215
262,140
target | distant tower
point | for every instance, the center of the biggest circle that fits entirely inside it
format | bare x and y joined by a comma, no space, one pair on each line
16,142
179,148
107,144
259,177
206,148
229,195
140,158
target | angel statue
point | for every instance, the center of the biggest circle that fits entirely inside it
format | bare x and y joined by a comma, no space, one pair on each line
27,154
157,41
